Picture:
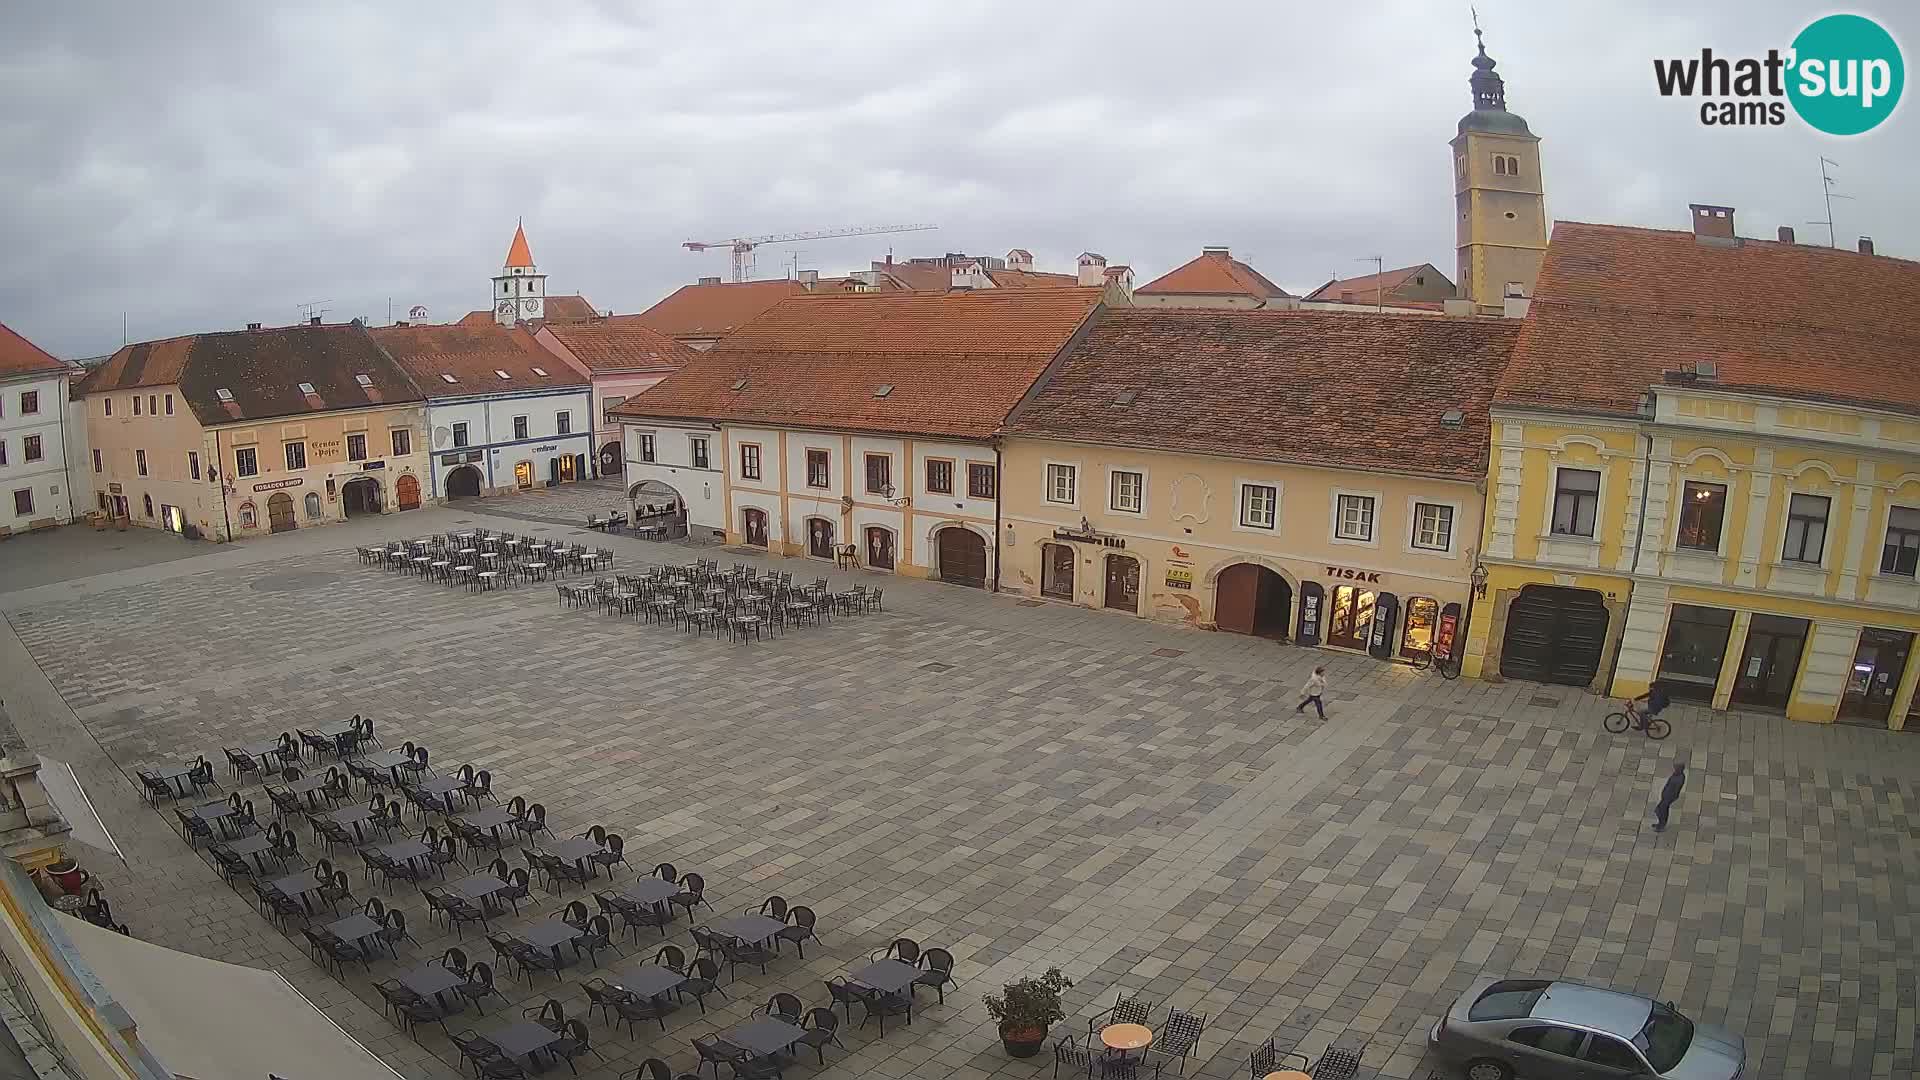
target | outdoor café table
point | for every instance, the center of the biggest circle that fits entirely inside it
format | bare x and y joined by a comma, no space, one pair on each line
302,885
255,845
650,890
1287,1074
308,786
575,851
887,976
549,935
514,543
477,887
262,750
420,564
431,979
522,1039
172,774
1125,1037
765,1036
490,557
355,928
749,928
489,819
440,787
386,759
215,811
650,980
352,815
537,570
406,851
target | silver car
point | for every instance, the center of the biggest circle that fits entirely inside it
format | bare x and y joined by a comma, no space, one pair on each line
1554,1030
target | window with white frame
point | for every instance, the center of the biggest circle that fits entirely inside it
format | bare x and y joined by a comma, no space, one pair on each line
246,462
1259,506
1576,502
699,448
1060,484
1806,528
1353,519
749,461
1432,526
1901,553
1126,491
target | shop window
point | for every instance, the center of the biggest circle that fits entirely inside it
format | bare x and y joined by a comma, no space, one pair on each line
939,476
1128,493
1703,507
983,481
1902,552
1432,528
1695,648
357,447
1576,502
879,474
749,462
246,462
819,469
296,456
1259,505
1061,484
699,449
1806,529
1423,617
1353,518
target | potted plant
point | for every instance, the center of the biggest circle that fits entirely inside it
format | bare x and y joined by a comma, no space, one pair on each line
1026,1008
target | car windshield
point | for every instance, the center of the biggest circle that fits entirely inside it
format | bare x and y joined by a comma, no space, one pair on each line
1665,1038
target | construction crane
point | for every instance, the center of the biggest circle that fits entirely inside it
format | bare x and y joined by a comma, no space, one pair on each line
742,246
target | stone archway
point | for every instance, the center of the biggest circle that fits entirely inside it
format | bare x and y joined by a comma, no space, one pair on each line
360,496
658,505
463,482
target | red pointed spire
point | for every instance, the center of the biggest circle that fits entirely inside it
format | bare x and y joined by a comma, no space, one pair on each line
519,254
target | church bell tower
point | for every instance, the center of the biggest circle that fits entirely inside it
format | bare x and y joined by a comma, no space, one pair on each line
1499,196
519,290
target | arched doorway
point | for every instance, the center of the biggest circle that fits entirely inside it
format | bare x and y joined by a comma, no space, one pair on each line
879,548
753,526
1056,571
463,483
1554,635
820,538
658,506
611,461
361,496
313,506
963,557
1123,583
1252,599
407,491
280,513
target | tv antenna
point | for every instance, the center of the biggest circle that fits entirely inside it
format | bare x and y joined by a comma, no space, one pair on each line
1826,190
312,310
1379,287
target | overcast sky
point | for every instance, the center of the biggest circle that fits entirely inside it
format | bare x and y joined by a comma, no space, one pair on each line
201,167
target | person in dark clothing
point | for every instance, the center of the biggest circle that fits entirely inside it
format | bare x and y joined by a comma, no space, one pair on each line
1669,795
1656,699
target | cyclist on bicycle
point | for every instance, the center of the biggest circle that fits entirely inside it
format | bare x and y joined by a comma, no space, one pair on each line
1657,702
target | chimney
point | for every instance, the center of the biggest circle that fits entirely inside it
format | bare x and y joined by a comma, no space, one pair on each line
253,326
1866,245
1713,225
709,281
1020,259
809,278
1786,234
1220,251
1119,286
1093,268
1456,307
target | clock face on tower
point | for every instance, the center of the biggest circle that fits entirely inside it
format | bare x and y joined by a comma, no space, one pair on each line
530,304
504,307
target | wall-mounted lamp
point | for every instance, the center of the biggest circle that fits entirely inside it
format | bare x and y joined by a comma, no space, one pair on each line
1479,580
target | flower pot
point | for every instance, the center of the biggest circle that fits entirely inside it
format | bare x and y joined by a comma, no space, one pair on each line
1022,1042
67,874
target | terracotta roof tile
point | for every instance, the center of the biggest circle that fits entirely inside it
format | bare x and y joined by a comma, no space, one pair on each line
621,343
714,311
957,362
1032,279
18,356
1214,273
474,355
566,308
1335,389
1616,306
262,369
1363,288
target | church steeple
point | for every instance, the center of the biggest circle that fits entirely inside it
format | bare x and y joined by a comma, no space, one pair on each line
1499,195
519,290
1489,92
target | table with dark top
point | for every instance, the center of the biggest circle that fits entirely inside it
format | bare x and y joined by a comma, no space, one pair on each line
216,813
307,787
430,979
302,885
749,928
385,759
522,1039
891,976
256,845
650,890
261,751
352,815
764,1036
477,887
172,774
440,787
489,819
406,851
575,851
650,980
355,928
549,935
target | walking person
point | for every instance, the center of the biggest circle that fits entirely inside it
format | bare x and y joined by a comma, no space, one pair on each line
1316,686
1669,795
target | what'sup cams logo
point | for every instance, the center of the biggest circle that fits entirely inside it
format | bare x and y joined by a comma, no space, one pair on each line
1842,75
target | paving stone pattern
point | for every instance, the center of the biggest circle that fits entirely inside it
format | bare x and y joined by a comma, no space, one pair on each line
1136,804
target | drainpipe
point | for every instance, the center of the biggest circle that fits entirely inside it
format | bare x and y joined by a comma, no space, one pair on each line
221,460
66,448
1639,538
998,545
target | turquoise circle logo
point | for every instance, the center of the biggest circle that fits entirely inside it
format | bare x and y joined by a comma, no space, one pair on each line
1847,74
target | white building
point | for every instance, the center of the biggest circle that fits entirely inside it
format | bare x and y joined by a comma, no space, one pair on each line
34,492
503,414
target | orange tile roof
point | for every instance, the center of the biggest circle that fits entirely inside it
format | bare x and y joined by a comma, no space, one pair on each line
566,309
1214,273
620,343
518,253
1363,288
714,311
19,356
474,355
1335,389
1617,306
1032,279
957,362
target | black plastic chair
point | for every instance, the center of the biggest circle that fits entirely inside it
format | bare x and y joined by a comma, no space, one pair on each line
844,994
634,1008
614,854
823,1027
574,1042
905,950
603,995
939,973
703,978
693,890
784,1006
1070,1052
799,928
773,907
713,1051
1178,1036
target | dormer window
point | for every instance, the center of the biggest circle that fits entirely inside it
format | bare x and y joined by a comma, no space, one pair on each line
542,372
501,373
306,388
224,395
444,377
884,390
364,380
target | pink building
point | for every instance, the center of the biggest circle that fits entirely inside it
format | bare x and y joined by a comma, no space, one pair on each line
622,356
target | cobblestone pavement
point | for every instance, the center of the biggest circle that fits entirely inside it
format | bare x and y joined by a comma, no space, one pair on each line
1028,785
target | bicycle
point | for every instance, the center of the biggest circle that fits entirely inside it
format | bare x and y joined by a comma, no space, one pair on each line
1653,726
1447,666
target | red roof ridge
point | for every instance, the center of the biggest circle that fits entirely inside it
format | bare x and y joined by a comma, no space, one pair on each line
18,355
518,253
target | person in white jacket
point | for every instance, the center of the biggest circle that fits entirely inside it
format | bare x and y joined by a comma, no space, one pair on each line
1316,686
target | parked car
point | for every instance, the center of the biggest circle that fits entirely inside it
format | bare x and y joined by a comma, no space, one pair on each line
1539,1029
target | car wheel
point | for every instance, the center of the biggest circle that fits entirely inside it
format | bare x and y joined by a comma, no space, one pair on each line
1488,1069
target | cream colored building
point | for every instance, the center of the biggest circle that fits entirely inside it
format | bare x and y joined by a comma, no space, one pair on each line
1203,467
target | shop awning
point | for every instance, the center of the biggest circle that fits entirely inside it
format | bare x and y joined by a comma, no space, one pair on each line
213,1021
63,790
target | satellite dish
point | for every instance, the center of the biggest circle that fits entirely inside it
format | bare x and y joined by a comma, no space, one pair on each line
417,312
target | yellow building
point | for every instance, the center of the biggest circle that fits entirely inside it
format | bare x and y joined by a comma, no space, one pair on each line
263,430
1300,475
1706,470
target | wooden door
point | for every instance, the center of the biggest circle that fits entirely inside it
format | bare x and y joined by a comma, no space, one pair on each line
820,538
407,490
755,522
1056,571
1554,635
879,548
1236,594
1123,583
963,558
280,512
